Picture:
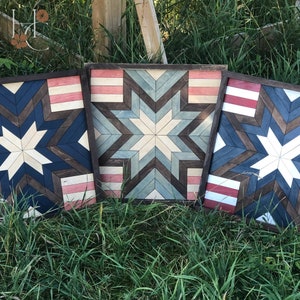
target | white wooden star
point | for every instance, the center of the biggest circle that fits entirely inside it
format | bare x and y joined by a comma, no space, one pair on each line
279,157
22,151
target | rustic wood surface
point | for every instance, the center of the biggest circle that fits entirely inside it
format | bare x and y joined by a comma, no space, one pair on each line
252,168
45,156
152,127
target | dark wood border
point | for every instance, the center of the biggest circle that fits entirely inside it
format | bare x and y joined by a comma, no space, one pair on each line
86,104
183,67
212,139
180,67
90,131
260,80
226,75
41,76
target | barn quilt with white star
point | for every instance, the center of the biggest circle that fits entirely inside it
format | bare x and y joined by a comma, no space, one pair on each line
253,168
45,156
152,125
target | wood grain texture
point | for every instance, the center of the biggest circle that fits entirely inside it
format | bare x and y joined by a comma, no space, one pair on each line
259,151
156,135
150,30
40,146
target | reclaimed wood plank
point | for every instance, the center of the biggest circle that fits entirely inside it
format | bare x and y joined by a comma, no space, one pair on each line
150,30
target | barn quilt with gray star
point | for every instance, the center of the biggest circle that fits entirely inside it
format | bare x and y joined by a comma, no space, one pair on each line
152,125
45,157
253,169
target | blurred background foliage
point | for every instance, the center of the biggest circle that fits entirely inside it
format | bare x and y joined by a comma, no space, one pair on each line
251,36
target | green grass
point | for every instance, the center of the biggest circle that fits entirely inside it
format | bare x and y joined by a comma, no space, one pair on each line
194,32
116,250
69,25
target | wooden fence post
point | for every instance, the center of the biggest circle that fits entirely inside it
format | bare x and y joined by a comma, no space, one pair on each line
107,13
150,30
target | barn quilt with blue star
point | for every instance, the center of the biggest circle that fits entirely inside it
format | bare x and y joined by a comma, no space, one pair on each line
45,154
152,125
254,166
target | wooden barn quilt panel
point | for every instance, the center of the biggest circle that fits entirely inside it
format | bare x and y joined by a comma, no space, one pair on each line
253,168
45,156
152,125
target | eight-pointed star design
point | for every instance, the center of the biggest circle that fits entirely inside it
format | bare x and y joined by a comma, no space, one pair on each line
22,150
279,157
157,137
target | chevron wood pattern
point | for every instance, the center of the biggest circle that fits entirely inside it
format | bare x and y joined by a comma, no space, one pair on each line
45,153
253,165
152,125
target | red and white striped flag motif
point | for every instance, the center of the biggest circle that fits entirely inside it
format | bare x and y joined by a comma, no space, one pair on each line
241,97
111,179
193,182
204,86
221,193
65,93
107,85
78,191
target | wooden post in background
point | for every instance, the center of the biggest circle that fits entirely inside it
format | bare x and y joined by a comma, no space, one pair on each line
150,30
107,13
